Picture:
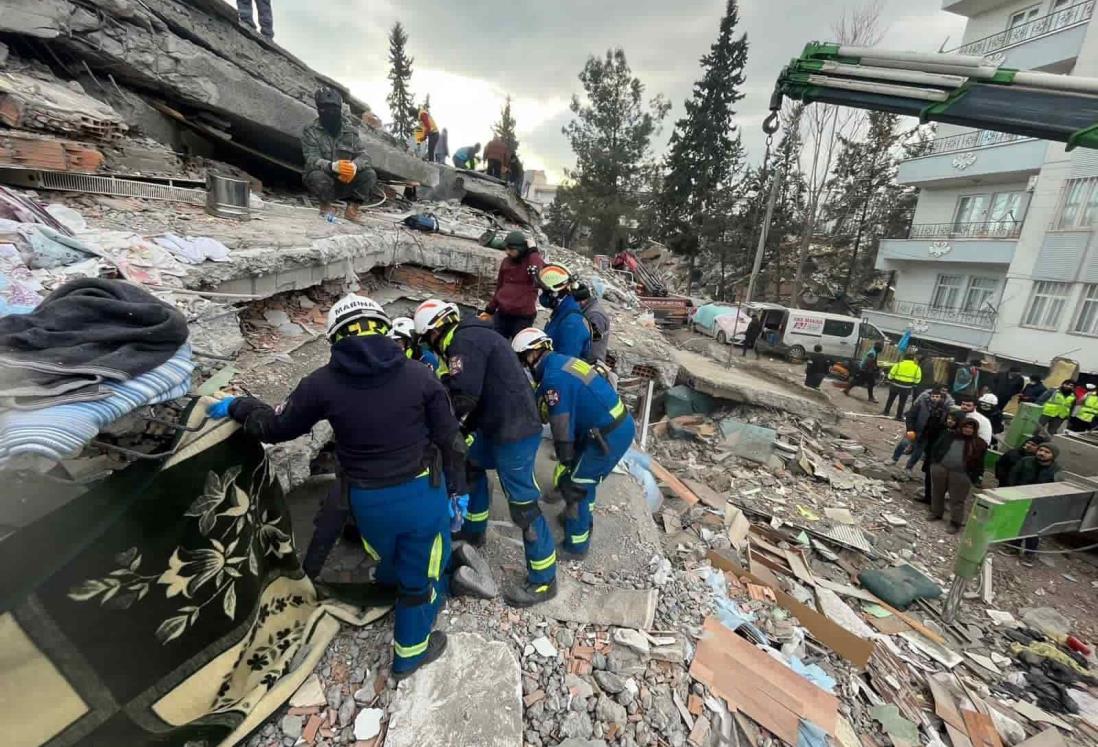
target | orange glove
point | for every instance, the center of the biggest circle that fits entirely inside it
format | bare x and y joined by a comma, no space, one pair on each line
484,316
911,435
345,170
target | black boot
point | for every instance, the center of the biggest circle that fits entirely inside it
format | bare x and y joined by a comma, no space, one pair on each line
569,553
436,644
529,594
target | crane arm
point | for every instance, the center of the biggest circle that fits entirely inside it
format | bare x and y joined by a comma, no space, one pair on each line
951,88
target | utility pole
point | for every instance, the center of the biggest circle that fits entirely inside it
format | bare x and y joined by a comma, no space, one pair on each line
774,186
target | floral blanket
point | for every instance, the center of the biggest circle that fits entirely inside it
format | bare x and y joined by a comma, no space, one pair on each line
165,605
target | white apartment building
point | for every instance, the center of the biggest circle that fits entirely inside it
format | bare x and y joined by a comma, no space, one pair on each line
1002,256
537,189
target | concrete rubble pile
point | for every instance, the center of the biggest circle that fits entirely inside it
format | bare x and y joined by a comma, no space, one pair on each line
186,75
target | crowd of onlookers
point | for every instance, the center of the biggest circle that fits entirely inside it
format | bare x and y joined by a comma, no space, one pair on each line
950,429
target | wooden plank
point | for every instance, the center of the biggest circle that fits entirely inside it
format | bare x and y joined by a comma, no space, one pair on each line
890,625
677,486
751,672
980,729
706,494
944,704
1050,737
847,645
958,737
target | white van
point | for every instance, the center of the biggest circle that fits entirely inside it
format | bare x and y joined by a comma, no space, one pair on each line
795,332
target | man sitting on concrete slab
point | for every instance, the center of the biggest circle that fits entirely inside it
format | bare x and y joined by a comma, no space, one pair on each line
336,164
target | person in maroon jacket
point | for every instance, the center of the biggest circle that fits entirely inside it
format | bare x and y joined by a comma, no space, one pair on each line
514,304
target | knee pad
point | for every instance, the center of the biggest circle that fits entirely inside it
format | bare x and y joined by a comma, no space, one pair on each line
524,515
572,493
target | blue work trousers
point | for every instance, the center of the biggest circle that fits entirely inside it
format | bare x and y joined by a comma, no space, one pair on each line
591,468
406,528
514,463
916,452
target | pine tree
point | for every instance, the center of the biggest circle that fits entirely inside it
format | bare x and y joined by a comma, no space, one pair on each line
402,106
560,224
868,204
705,152
505,127
610,136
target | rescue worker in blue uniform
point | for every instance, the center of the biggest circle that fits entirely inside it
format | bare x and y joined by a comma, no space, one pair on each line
404,332
591,428
495,404
567,326
396,436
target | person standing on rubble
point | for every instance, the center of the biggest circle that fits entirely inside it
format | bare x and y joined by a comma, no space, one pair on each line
266,18
430,130
592,430
598,321
927,411
514,305
567,326
494,403
516,174
496,155
903,377
396,438
815,370
1010,458
1034,391
442,148
967,403
336,164
956,464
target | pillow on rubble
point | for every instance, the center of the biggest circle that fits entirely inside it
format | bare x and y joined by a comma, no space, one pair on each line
899,586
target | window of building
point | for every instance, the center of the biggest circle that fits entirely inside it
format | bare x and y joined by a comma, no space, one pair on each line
980,293
947,291
1023,16
1087,321
1006,210
1046,304
970,209
1079,204
1060,5
838,328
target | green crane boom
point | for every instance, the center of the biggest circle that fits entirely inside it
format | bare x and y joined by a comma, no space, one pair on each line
951,88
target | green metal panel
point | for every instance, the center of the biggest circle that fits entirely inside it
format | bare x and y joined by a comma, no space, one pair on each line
991,520
1023,425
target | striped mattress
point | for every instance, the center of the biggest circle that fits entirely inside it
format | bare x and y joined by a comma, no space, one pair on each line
62,431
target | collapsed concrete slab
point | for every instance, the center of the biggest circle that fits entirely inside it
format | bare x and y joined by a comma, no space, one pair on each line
593,605
472,695
737,385
195,58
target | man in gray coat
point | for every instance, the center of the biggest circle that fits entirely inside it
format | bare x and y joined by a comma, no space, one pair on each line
597,320
336,164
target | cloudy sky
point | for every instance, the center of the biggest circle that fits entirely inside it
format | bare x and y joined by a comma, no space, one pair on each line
469,55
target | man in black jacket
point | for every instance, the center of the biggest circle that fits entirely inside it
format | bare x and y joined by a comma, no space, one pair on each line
751,336
391,417
1034,470
1009,459
494,402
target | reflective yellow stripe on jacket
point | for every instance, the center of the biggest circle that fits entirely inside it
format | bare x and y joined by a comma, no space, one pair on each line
1059,405
906,372
1089,408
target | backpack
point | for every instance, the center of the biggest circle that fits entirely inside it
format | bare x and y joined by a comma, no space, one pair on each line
422,222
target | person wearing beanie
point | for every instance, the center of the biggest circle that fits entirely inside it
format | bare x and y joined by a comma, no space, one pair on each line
514,305
1034,470
957,462
1010,458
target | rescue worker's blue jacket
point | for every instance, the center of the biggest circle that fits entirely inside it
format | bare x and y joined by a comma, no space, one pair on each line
487,384
568,329
577,399
386,410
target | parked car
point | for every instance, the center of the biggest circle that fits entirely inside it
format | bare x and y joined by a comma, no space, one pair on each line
732,328
704,320
793,332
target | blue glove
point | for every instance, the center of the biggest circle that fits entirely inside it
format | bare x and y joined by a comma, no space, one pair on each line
459,504
220,410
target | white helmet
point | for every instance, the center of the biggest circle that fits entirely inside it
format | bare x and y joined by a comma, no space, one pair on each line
989,399
531,338
403,327
434,314
353,308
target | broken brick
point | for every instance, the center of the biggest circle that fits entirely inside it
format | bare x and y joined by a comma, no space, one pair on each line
311,728
533,697
303,710
695,704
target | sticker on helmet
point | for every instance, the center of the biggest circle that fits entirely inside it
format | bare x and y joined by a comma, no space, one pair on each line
552,397
455,364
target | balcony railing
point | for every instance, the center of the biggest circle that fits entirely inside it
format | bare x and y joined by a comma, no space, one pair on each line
971,140
995,229
1023,32
982,319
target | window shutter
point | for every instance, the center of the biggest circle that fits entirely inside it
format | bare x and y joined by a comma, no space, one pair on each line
1061,256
